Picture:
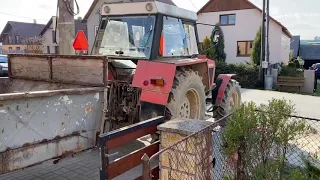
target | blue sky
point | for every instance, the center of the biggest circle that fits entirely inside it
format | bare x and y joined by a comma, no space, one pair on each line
301,17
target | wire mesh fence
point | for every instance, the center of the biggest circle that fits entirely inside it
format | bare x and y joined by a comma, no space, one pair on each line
201,156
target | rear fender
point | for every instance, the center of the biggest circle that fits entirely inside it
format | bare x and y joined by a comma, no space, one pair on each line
147,70
225,78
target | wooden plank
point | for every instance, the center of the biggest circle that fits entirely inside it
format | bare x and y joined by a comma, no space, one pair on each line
36,68
125,138
155,174
130,161
290,77
78,71
290,84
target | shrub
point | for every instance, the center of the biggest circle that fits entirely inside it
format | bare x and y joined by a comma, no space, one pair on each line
291,71
206,48
297,63
247,75
219,53
261,141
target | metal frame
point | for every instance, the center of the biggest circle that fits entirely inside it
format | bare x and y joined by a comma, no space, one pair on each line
107,137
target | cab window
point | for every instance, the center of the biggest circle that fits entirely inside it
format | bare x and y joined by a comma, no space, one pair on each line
177,38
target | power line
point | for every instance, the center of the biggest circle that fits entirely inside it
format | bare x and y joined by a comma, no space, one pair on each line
193,4
22,16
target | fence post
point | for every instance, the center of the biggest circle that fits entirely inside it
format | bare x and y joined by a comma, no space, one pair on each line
146,171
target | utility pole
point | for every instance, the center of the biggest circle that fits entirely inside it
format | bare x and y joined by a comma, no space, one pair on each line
267,37
263,30
66,27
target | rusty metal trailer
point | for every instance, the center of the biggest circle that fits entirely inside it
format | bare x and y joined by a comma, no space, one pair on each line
50,106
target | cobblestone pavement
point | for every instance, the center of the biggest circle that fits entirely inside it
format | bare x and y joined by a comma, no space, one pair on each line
82,166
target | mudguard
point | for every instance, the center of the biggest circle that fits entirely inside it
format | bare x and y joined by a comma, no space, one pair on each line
224,80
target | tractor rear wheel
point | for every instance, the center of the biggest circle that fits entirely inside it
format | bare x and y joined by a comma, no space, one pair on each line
187,98
231,100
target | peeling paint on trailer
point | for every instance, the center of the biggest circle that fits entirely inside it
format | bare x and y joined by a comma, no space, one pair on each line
30,154
47,127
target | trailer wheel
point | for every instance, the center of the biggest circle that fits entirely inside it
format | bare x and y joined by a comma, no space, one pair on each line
231,100
187,97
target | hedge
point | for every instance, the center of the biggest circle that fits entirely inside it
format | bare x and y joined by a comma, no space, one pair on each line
247,75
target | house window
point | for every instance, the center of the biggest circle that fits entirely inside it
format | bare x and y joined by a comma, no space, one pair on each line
17,38
9,40
244,48
48,49
228,19
18,48
10,48
56,49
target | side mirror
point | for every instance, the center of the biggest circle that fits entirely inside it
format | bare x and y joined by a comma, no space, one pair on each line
215,37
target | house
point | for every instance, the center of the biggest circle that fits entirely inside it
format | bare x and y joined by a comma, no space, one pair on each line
51,38
308,50
240,21
14,32
92,17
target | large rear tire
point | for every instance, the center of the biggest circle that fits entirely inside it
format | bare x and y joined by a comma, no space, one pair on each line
230,101
187,98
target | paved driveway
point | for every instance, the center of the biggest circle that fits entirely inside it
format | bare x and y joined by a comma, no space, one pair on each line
308,106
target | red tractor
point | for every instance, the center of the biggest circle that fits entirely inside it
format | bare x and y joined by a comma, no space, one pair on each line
154,68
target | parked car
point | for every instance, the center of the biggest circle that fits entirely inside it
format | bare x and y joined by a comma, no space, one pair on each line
316,67
4,65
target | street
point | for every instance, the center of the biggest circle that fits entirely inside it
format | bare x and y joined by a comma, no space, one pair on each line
307,106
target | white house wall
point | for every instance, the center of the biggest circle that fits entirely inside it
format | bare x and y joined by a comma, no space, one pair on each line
247,24
48,40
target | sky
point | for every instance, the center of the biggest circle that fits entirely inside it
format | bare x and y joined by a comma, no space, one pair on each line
301,17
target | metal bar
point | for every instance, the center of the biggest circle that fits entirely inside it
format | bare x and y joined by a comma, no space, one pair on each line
132,128
128,137
103,167
130,161
146,173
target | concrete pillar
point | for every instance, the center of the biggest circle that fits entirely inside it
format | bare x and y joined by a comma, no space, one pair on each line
191,158
309,78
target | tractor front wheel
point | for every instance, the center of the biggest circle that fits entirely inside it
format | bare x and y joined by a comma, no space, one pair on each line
231,100
187,98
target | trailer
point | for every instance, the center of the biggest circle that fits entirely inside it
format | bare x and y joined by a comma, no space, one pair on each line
50,106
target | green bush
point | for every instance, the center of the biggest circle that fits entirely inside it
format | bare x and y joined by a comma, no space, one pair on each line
291,71
246,74
297,63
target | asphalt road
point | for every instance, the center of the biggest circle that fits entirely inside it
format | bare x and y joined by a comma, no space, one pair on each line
307,106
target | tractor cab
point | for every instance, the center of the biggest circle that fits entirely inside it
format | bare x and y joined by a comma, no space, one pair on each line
146,31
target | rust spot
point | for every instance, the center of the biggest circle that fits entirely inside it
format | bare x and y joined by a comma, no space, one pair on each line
44,140
57,137
26,144
75,133
88,109
2,131
84,131
1,105
62,124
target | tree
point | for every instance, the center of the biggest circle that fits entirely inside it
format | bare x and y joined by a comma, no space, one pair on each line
206,48
34,44
256,50
218,49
